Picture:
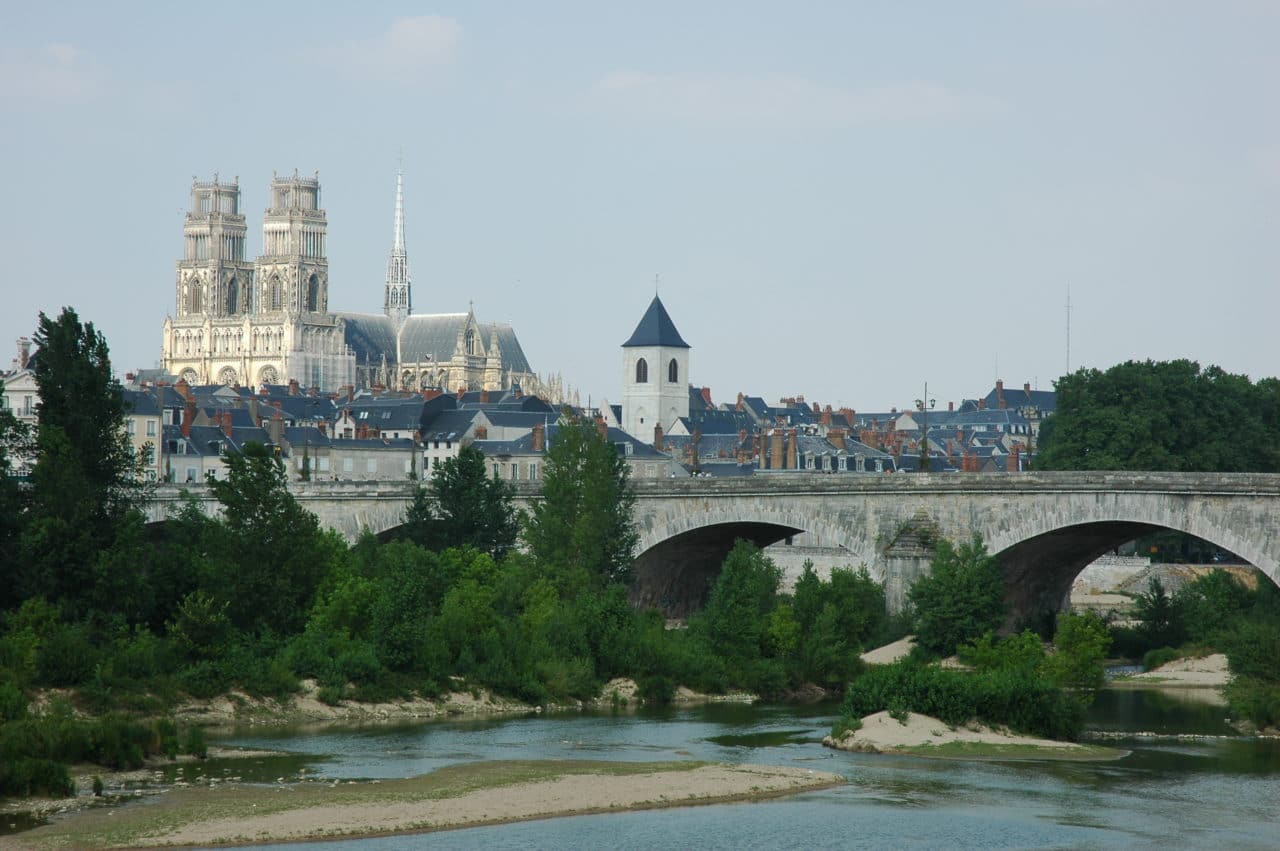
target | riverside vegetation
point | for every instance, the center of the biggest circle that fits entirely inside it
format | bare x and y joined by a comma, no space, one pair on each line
125,620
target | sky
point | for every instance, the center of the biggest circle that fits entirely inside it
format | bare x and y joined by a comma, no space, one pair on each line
841,200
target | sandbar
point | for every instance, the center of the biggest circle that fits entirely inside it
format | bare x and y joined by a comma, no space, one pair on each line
458,796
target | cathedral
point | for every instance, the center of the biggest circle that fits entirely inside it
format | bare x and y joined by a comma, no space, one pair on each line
240,322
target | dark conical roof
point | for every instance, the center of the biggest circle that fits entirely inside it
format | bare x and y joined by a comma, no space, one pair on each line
656,329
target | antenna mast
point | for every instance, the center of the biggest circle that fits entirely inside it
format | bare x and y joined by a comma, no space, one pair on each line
1068,329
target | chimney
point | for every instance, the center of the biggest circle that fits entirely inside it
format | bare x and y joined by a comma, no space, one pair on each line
462,391
951,448
657,436
601,428
776,459
484,397
188,415
226,423
1026,387
275,427
293,387
825,418
1000,393
482,433
313,391
351,393
1012,465
836,437
742,435
791,450
706,397
518,391
377,390
323,427
982,404
24,352
951,407
183,388
816,409
539,438
741,400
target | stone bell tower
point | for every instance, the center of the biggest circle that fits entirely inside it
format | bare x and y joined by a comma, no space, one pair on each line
293,271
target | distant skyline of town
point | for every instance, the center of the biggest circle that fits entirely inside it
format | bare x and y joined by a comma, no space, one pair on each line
844,203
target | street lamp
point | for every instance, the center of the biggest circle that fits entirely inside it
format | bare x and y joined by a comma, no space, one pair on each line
924,405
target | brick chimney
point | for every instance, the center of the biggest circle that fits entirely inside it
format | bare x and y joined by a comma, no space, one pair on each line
188,415
741,406
275,427
226,423
462,391
322,426
1026,387
183,388
1000,393
539,438
313,391
24,352
706,397
351,393
776,458
482,433
816,409
792,448
657,436
1013,464
825,418
836,437
431,393
484,397
951,407
293,387
601,428
982,404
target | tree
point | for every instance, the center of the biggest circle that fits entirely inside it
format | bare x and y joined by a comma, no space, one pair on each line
737,619
13,442
960,599
1080,646
471,509
581,529
1162,616
84,479
271,553
1162,415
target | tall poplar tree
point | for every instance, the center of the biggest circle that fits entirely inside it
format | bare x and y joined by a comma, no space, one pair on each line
83,481
581,529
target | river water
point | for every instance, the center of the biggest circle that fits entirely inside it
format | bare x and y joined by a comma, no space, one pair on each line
1215,791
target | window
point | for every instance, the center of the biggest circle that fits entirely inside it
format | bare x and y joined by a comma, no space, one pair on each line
348,465
673,371
515,472
191,474
131,427
426,461
371,466
496,471
151,428
323,464
642,371
533,472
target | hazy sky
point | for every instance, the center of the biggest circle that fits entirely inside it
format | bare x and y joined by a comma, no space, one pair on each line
842,199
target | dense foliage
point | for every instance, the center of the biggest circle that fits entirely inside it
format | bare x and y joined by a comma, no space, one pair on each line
1162,415
463,507
1215,613
960,598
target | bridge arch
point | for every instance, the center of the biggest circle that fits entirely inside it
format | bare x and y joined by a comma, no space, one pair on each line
680,554
1042,549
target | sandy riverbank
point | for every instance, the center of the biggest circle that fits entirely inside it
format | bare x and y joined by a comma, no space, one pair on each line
458,796
1203,672
921,735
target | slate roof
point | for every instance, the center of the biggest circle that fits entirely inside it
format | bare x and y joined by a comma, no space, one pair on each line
141,402
504,336
718,422
448,422
656,329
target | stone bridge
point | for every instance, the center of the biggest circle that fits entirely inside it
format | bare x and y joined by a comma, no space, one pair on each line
1043,527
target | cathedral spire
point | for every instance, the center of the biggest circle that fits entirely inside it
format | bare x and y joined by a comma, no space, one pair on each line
396,302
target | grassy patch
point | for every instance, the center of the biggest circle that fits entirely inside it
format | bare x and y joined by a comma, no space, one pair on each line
993,751
133,826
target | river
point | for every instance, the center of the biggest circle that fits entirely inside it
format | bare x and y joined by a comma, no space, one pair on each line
1212,792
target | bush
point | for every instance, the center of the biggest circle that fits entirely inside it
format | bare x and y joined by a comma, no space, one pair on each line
656,689
1080,646
27,776
204,680
66,657
1254,700
1153,659
194,743
1017,698
13,703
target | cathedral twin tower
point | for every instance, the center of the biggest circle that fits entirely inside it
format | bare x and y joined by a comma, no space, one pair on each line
239,322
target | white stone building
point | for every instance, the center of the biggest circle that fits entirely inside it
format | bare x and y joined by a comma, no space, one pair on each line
655,375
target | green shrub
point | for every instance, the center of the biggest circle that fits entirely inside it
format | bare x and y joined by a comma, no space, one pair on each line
66,657
960,599
656,689
1254,700
1080,646
1153,659
330,695
28,776
194,743
204,680
1017,698
13,703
